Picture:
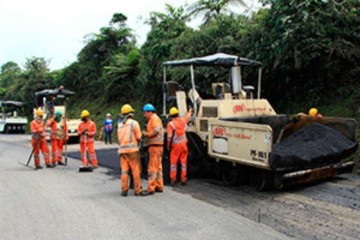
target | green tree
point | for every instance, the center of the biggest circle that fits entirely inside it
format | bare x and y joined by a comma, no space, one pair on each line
210,9
99,52
310,49
119,77
165,29
9,75
34,78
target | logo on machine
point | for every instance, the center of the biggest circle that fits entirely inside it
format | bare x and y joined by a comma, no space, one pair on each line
243,108
219,131
239,108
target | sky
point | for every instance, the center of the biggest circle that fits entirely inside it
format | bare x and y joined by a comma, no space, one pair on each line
55,30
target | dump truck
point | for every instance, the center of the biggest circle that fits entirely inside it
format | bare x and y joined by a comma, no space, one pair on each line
54,100
10,121
239,136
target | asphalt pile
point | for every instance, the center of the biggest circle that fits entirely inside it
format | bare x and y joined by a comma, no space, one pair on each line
313,145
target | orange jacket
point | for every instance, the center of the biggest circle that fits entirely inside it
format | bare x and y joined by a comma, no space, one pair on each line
155,130
176,130
37,129
129,135
90,126
58,130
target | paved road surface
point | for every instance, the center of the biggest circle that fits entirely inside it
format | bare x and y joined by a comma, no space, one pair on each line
61,203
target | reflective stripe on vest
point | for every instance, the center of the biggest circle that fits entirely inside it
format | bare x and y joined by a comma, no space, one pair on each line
130,145
159,138
177,138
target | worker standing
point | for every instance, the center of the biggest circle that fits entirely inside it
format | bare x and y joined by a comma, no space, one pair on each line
38,140
155,134
108,128
129,135
177,144
86,131
58,136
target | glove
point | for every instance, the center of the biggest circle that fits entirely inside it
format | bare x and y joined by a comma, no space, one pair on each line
144,133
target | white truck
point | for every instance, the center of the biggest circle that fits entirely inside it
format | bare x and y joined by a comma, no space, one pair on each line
10,121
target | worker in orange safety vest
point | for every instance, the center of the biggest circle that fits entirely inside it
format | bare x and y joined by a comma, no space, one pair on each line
177,144
129,135
155,139
38,140
58,136
86,131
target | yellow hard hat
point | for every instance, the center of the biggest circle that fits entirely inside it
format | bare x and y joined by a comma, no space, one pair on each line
126,108
173,111
313,112
39,112
84,113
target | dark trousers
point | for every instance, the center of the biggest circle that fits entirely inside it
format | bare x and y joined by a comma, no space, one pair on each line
107,137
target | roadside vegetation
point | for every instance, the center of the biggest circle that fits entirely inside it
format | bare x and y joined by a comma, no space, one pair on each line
309,50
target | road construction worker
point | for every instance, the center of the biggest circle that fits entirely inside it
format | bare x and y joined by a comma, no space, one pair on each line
59,136
108,128
155,140
129,135
177,144
38,140
314,112
86,131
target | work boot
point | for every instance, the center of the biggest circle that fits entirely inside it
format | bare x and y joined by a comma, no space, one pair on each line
38,167
183,183
50,165
124,193
159,190
173,183
61,163
144,193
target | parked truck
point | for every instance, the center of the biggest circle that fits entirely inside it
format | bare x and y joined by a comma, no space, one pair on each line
54,100
239,135
10,119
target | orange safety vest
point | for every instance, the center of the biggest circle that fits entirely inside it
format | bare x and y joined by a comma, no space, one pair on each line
37,128
58,130
91,129
129,135
155,124
176,130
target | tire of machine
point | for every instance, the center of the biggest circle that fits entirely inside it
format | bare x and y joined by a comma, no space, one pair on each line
7,129
195,156
261,180
229,173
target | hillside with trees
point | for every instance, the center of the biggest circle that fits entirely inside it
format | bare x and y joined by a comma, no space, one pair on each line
310,50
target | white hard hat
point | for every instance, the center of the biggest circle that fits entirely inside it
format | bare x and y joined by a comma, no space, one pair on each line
108,115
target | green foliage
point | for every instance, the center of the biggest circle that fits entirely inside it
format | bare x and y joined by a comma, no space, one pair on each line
10,72
211,9
162,38
118,77
309,50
